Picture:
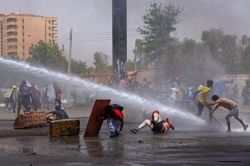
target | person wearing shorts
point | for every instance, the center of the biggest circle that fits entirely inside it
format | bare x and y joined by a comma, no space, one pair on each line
231,106
156,124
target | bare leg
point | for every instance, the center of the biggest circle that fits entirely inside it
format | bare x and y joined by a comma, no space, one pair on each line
228,123
145,123
242,123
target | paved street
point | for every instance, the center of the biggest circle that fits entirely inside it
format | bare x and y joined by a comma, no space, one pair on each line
182,147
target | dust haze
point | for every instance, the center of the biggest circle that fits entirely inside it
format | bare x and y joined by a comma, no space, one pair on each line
88,17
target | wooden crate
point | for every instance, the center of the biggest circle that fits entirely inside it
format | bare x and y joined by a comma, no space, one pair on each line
30,120
65,127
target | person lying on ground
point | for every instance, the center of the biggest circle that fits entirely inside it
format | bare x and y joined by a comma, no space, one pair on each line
202,99
231,106
115,119
156,124
58,114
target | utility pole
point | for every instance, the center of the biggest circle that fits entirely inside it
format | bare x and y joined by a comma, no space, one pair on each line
119,37
70,50
136,56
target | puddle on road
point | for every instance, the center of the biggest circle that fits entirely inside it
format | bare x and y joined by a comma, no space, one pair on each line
44,145
129,145
40,145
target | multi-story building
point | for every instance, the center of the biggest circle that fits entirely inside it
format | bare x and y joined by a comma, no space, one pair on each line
20,31
1,34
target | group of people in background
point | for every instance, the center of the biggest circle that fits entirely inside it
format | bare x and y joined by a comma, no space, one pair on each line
176,90
31,97
207,97
219,93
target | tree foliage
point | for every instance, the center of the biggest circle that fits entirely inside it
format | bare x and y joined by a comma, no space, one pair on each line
159,23
218,53
47,55
223,47
50,56
101,62
78,66
245,54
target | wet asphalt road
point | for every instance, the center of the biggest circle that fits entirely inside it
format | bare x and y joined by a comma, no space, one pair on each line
178,148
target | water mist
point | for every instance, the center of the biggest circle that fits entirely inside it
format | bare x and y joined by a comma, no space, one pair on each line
115,95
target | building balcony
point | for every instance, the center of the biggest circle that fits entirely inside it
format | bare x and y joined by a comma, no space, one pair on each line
11,43
11,26
54,25
11,30
12,40
11,36
54,37
11,33
11,23
12,53
54,30
13,19
12,47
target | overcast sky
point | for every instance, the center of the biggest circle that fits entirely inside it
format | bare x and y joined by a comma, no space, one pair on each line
91,20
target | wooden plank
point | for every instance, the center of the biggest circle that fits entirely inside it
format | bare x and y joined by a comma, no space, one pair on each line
95,123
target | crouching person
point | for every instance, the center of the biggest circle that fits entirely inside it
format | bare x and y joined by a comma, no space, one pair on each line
58,114
156,124
115,119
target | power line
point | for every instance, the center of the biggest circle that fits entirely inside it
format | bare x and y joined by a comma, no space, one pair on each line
197,8
101,39
131,29
101,35
206,11
203,9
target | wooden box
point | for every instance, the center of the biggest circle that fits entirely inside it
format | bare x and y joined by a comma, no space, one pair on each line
65,127
30,120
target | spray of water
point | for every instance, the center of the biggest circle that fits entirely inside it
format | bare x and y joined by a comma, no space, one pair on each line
114,94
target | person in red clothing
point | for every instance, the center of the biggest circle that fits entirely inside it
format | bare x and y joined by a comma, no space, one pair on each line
156,124
58,93
115,119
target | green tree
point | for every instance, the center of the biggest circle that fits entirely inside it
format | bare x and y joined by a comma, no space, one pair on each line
140,54
78,67
47,55
100,62
159,25
223,47
244,46
130,65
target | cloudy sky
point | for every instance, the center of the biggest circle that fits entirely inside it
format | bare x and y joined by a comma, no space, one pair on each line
91,20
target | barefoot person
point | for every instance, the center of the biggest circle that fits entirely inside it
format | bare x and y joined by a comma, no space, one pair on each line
231,106
156,124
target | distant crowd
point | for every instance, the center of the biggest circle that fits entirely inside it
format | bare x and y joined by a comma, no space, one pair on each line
31,97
